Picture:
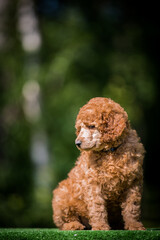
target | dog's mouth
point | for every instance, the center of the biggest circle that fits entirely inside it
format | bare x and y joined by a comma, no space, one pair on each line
86,149
89,146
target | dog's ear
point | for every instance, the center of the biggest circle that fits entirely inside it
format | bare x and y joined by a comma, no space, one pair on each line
113,125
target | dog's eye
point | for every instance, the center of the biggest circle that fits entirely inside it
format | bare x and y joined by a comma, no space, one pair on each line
91,126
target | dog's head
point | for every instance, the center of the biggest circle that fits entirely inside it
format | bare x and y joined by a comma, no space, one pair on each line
100,125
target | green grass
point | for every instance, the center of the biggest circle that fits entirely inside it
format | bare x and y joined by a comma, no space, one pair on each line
55,234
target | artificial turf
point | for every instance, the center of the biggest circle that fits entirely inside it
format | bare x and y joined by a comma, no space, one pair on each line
55,234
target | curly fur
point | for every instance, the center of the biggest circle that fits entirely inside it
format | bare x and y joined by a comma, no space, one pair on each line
103,190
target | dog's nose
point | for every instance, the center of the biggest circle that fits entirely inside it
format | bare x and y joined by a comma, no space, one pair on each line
78,143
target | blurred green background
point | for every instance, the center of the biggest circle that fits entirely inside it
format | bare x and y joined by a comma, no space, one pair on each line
54,56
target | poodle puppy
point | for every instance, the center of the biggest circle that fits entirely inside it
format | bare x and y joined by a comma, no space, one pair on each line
103,190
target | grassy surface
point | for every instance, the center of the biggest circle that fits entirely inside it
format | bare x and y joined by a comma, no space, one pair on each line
55,234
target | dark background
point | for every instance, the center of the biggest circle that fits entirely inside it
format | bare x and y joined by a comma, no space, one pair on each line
54,56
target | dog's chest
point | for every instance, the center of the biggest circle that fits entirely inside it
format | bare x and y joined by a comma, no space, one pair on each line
115,174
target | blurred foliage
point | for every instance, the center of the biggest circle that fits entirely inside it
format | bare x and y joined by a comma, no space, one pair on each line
84,52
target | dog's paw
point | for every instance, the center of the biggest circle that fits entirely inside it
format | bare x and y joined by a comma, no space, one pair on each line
73,226
134,226
101,227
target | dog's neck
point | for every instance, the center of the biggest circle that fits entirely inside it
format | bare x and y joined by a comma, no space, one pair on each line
95,156
112,149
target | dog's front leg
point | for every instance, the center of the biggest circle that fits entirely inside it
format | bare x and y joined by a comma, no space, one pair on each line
131,208
96,208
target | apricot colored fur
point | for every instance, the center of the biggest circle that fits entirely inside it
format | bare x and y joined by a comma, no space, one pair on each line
103,190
